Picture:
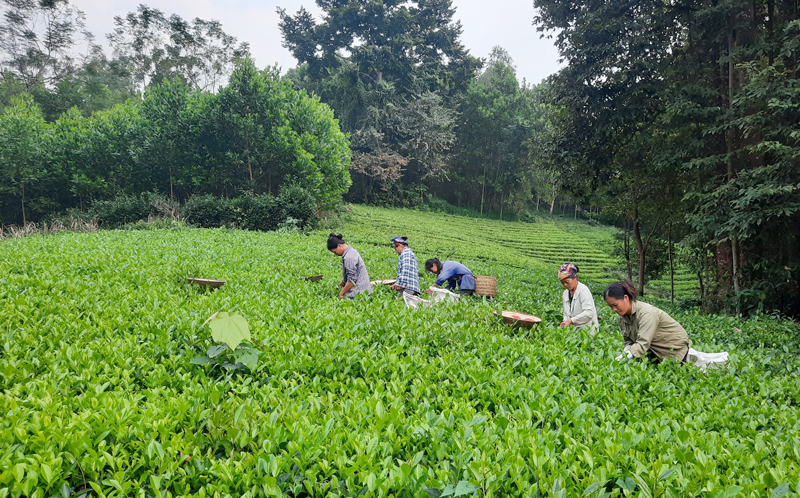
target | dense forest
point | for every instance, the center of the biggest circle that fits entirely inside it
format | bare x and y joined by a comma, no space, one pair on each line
675,121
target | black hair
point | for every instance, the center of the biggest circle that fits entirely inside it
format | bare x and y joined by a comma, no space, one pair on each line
334,241
434,261
618,290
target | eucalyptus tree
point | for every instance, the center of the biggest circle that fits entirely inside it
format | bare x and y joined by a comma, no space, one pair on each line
41,41
154,46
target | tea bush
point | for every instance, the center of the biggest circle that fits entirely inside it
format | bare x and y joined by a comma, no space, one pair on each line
99,395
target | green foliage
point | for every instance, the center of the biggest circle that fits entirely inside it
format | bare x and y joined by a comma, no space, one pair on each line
231,330
122,210
208,211
257,135
297,203
153,46
683,122
253,212
97,331
24,139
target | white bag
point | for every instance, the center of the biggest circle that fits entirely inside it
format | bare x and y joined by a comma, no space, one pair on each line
413,301
704,361
444,295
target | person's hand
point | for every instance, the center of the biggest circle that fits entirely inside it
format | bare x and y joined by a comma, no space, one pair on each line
396,287
341,295
626,354
565,323
428,291
341,284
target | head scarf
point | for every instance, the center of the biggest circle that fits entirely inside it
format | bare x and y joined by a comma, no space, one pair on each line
399,240
567,270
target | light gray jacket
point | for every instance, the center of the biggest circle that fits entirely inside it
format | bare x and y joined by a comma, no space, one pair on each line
582,311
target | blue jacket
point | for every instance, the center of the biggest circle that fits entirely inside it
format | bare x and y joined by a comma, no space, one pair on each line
454,273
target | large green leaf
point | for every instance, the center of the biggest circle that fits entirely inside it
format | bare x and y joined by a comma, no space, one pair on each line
229,328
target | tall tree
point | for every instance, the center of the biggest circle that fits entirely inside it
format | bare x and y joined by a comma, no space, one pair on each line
40,40
407,43
23,151
154,46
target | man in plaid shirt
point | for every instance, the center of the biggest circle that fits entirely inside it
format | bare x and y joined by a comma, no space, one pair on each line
407,268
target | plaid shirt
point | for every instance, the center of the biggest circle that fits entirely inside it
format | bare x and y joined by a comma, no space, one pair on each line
354,270
408,271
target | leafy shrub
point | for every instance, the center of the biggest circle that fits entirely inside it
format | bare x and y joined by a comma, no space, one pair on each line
299,204
122,210
257,212
233,350
253,212
208,211
155,224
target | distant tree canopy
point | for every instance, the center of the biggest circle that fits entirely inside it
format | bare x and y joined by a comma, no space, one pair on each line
153,47
413,45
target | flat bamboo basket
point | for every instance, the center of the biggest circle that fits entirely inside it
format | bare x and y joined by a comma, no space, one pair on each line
208,282
485,286
387,281
312,278
519,319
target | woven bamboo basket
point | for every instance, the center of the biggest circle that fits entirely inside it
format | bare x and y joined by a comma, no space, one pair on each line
485,286
519,319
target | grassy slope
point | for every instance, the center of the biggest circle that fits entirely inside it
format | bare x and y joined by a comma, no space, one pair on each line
96,333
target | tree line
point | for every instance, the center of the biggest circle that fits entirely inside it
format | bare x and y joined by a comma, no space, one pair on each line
177,111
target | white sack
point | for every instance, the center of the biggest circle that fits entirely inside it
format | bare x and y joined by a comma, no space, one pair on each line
705,361
444,295
414,302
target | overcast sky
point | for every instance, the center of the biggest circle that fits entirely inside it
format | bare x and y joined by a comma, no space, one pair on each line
486,23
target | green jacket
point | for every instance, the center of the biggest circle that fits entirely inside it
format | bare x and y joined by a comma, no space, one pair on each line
651,329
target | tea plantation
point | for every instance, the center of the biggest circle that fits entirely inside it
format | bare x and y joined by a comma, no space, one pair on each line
365,398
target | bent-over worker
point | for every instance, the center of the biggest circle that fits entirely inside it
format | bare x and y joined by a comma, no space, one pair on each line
646,330
452,272
355,278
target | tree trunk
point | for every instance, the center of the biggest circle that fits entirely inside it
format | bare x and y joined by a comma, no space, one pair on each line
626,244
537,203
483,188
171,192
24,219
671,265
552,205
576,211
250,169
637,233
729,150
501,206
